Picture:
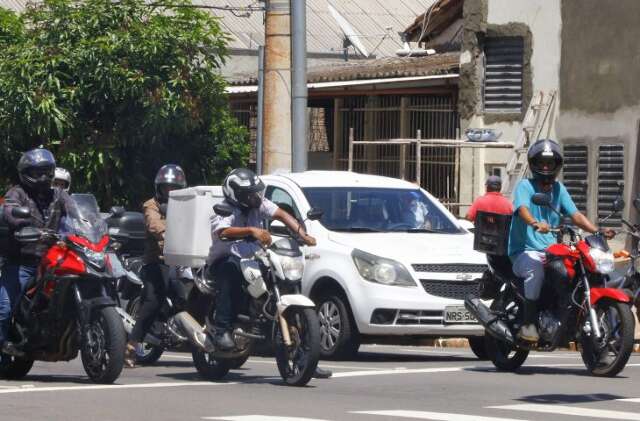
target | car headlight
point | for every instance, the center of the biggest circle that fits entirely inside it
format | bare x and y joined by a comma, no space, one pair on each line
292,267
603,259
380,270
95,258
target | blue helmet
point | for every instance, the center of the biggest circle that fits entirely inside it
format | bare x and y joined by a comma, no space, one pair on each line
36,169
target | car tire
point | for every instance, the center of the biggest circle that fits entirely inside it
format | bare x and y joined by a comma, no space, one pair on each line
339,336
478,346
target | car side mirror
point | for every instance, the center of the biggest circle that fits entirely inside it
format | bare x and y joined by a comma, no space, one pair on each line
315,214
278,228
117,211
541,199
223,209
21,213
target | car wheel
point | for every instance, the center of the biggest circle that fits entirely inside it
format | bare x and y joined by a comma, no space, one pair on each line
339,336
477,345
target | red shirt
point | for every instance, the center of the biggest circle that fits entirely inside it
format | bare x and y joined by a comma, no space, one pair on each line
493,202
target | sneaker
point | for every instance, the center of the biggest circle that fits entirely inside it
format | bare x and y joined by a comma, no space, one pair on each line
224,340
130,356
529,333
10,348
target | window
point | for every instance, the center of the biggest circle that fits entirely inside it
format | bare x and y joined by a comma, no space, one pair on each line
610,181
284,201
504,58
575,174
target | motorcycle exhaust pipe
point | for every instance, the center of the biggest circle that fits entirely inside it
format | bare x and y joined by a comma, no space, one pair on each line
494,326
196,333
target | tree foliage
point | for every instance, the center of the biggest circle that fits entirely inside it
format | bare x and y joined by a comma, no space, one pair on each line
115,90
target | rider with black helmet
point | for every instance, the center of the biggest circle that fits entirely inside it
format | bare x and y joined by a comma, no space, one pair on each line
169,177
530,228
47,207
244,191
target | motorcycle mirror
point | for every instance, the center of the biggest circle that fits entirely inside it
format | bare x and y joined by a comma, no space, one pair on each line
618,204
315,214
541,199
21,213
222,209
636,203
117,211
28,235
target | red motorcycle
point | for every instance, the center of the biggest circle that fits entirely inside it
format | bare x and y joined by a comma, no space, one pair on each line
574,305
69,307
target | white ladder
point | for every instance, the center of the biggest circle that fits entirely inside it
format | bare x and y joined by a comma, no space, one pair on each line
532,126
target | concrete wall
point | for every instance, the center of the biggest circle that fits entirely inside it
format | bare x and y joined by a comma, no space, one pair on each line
539,22
600,96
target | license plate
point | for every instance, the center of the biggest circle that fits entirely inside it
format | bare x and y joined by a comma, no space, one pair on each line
458,314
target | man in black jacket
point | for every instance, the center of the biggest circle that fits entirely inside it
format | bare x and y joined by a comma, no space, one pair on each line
47,207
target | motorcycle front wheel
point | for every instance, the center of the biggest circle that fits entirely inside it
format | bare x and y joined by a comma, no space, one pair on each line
607,356
298,362
103,345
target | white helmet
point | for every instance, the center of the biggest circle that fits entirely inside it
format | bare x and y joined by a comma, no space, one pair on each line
62,179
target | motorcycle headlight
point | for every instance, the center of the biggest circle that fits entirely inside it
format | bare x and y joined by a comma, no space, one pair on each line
292,267
380,270
95,258
603,259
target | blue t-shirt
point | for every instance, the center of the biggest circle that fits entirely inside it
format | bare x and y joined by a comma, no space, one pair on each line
523,237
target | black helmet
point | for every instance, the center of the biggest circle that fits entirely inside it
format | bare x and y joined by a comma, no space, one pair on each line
243,188
36,168
545,160
170,176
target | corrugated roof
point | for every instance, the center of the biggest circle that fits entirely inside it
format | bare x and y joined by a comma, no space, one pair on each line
388,67
370,19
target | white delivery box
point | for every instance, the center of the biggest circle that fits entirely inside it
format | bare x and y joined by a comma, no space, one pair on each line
188,236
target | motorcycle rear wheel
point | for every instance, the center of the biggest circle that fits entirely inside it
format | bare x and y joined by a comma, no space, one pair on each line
150,353
298,363
209,367
14,368
103,344
503,356
617,326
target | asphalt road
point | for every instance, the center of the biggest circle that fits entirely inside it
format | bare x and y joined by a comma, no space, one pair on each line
384,383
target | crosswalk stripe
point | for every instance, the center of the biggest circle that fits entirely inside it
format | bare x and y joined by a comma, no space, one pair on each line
397,371
425,415
634,400
571,410
260,418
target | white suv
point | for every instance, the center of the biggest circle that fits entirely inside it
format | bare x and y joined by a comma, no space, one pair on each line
391,261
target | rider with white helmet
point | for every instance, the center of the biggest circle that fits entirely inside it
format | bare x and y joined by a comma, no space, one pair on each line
61,179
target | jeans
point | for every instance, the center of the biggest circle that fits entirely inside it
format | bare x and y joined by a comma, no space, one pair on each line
229,295
530,266
13,283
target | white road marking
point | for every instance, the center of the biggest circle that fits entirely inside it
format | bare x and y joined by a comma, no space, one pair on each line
634,400
425,415
108,387
255,361
393,371
261,418
571,410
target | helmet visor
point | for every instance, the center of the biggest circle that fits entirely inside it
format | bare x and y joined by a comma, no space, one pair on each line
545,165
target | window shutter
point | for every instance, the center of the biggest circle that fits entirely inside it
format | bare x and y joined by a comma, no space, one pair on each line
503,74
610,181
576,173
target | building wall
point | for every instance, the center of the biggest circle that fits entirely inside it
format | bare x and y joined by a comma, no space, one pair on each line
600,95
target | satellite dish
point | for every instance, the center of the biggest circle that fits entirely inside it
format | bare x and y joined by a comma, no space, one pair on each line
348,31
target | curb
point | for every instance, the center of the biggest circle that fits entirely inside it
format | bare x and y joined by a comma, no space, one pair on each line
464,343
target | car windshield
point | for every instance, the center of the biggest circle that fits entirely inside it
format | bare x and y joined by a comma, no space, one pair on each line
379,210
83,218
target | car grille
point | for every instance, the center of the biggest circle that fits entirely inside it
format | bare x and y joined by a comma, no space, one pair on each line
457,290
450,267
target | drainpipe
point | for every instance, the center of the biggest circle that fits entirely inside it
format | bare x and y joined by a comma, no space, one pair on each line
277,87
299,80
260,128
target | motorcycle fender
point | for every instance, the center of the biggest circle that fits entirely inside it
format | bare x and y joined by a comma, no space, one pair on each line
614,294
297,300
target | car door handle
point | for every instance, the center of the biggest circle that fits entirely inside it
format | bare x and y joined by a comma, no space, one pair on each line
311,256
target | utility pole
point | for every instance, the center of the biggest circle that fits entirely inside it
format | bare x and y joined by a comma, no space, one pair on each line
277,87
299,79
260,122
